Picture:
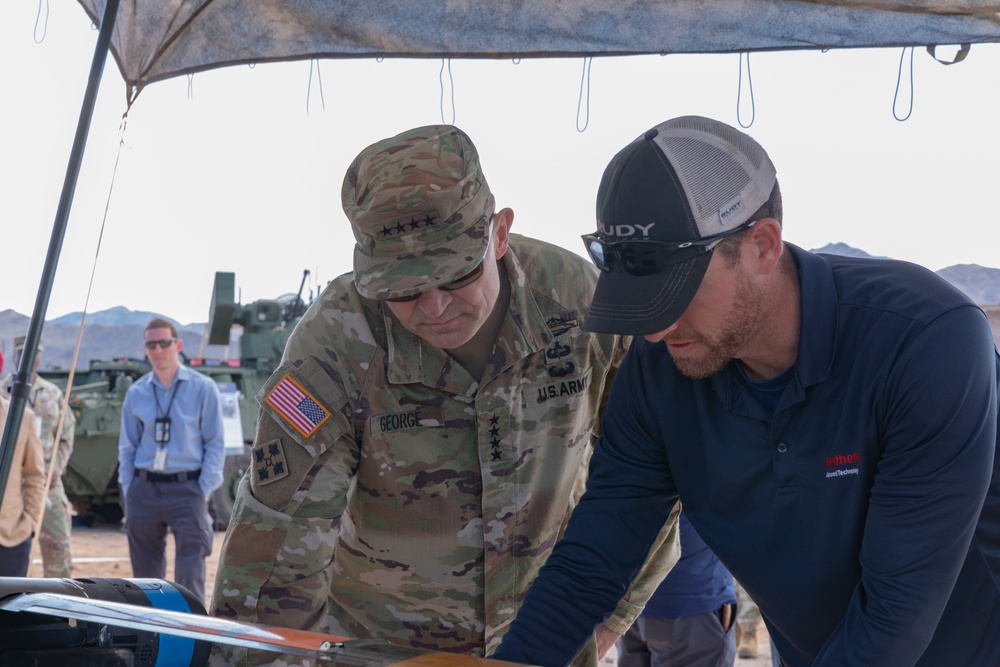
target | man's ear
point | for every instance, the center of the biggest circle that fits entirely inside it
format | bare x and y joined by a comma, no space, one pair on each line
765,242
502,222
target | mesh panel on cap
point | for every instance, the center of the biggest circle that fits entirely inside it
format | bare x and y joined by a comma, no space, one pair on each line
717,166
711,178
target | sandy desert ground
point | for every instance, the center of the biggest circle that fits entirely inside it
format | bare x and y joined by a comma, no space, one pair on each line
102,551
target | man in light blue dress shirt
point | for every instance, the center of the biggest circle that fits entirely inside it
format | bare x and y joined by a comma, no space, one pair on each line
170,459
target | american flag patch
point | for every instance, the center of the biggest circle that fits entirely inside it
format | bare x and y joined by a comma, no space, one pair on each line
297,406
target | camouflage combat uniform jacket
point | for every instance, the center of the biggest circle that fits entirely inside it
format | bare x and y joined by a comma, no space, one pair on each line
393,495
45,399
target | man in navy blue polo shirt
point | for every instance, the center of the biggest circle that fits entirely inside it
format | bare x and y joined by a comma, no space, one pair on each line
829,423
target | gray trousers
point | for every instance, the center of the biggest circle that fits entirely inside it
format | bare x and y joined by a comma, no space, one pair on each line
687,641
150,507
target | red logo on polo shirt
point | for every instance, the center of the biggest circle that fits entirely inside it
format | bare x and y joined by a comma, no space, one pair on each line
840,461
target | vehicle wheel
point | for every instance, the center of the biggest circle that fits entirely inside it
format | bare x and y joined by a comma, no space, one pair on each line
220,505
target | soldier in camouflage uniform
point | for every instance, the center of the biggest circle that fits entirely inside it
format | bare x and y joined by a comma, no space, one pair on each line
46,400
421,445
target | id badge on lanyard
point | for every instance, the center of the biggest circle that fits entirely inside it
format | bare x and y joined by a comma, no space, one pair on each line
161,431
161,436
160,460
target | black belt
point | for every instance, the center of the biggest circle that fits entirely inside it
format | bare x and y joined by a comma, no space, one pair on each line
183,476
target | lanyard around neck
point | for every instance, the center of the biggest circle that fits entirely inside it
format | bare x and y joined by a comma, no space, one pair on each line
173,395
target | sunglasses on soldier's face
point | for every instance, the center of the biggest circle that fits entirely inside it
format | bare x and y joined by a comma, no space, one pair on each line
469,278
164,343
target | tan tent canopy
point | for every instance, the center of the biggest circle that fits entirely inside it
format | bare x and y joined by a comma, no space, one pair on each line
159,39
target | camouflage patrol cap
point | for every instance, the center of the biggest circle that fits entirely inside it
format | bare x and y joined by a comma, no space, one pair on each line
19,343
419,205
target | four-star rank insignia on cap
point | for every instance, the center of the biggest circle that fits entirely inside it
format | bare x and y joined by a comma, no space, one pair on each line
297,406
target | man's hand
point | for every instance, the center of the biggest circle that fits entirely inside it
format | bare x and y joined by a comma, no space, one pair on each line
605,638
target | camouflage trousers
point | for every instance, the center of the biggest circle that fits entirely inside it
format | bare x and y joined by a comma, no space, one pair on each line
54,539
747,615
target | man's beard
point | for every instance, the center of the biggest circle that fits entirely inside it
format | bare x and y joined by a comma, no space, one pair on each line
740,323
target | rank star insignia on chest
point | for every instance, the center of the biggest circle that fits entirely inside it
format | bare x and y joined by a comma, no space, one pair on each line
297,406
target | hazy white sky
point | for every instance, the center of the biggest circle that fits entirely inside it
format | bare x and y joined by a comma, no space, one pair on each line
231,172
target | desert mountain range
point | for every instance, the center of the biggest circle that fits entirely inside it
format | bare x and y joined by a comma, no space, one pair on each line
117,332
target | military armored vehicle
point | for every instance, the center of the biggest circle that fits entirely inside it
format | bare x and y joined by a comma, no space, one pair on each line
91,478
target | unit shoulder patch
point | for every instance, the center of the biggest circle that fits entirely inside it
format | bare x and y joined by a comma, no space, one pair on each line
269,464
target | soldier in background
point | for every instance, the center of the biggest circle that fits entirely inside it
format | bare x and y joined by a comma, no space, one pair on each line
46,400
418,448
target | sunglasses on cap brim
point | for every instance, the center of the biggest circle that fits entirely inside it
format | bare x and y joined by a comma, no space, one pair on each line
646,257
